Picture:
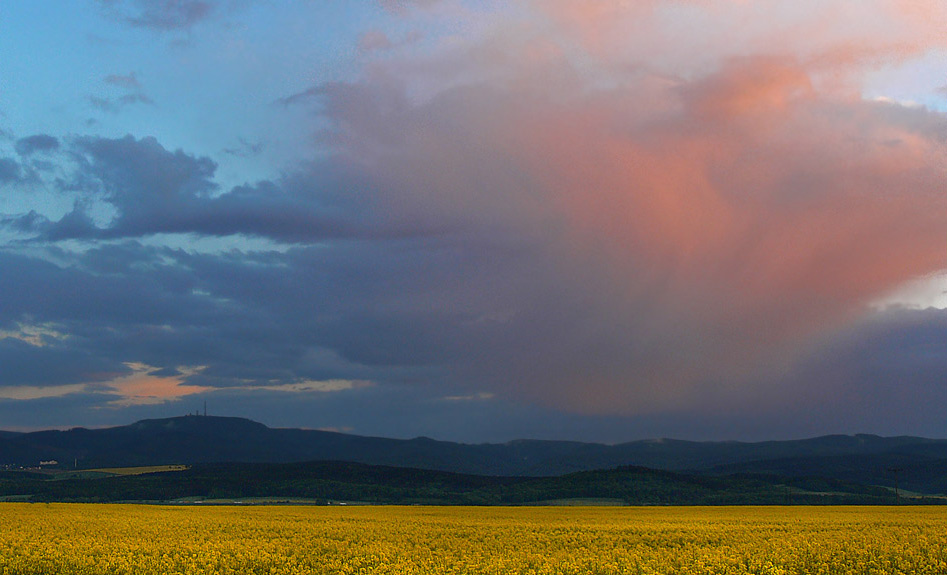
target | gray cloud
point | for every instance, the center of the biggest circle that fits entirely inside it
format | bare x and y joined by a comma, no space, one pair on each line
116,104
424,319
126,81
9,170
514,229
36,143
245,149
113,105
154,190
304,96
53,365
425,257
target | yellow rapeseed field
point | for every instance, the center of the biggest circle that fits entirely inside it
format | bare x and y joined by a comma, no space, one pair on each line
139,470
90,539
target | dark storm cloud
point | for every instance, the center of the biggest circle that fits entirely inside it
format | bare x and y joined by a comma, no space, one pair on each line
407,314
366,310
53,364
488,304
154,190
101,309
36,143
163,308
644,258
664,250
37,290
304,330
886,374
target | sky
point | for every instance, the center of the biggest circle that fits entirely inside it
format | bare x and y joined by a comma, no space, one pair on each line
597,220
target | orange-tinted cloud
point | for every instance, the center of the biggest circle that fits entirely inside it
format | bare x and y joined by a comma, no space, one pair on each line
701,229
142,387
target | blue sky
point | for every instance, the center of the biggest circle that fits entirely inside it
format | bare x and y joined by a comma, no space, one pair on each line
474,220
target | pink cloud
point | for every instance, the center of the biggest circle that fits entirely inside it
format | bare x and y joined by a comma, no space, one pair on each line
374,40
403,6
692,34
142,387
699,229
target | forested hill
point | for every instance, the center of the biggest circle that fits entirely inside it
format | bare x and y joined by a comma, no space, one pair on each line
329,482
918,462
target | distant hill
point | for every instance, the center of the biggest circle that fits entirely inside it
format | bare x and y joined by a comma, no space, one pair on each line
864,459
908,471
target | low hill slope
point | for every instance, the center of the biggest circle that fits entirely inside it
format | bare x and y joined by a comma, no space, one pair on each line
326,482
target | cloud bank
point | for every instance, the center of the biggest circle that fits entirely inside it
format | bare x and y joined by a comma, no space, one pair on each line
646,209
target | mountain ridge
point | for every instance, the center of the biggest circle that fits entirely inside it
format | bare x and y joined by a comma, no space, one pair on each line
195,439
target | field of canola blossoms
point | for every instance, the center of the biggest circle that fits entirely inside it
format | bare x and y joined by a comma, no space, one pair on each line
128,539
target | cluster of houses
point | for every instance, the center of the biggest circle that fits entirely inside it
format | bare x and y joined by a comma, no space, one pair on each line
15,467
